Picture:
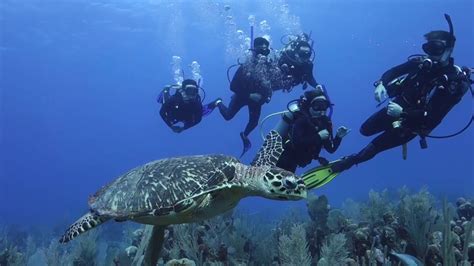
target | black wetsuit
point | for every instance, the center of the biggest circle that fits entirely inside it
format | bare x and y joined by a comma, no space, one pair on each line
426,98
175,110
295,74
243,84
303,143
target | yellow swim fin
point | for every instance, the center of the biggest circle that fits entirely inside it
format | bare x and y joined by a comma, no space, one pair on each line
319,176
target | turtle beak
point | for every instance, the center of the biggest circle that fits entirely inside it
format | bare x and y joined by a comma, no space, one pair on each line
301,189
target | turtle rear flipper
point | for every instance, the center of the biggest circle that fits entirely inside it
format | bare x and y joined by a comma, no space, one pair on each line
83,224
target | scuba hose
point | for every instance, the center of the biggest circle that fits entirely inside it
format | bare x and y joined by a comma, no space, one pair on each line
331,108
284,36
465,127
203,91
262,135
312,42
230,68
289,109
203,94
416,56
159,98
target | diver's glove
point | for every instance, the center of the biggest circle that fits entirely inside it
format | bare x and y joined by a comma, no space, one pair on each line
394,109
324,134
256,97
380,92
342,131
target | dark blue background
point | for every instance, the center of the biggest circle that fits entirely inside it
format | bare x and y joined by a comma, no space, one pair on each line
79,81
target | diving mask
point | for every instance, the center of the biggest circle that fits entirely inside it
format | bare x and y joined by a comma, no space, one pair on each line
435,47
319,104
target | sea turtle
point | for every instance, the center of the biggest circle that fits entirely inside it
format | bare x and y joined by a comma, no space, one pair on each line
190,189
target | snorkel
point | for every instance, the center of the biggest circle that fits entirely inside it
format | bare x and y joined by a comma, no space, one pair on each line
450,44
251,37
451,29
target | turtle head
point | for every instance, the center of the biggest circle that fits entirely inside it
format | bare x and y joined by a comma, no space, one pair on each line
280,184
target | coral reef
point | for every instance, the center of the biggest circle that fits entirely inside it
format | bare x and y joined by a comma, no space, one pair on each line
293,248
85,251
334,251
418,214
385,230
15,247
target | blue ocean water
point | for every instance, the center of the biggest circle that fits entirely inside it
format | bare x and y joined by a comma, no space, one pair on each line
79,79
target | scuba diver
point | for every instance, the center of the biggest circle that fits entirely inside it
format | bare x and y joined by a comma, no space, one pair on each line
424,89
306,129
252,87
296,64
184,107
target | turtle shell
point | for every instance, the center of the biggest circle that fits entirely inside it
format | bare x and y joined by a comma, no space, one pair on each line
161,184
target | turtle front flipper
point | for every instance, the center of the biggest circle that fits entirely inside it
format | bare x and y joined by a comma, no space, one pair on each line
83,224
270,151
